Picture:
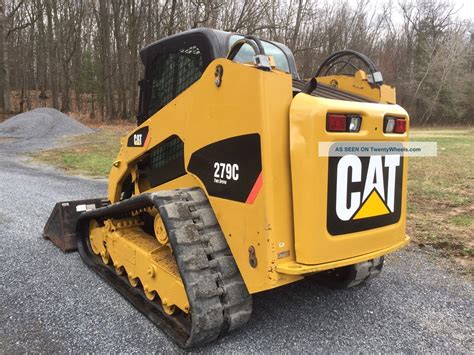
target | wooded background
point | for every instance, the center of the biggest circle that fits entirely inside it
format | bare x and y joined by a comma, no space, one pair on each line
82,55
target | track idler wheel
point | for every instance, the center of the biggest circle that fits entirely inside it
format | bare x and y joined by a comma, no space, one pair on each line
96,236
160,231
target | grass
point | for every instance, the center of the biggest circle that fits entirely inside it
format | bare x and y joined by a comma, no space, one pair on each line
440,189
441,194
89,154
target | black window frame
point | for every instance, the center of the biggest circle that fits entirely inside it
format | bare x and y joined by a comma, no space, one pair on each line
171,45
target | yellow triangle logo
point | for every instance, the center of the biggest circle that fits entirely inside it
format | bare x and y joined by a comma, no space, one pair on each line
373,206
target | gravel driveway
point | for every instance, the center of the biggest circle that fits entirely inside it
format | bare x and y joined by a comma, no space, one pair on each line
51,302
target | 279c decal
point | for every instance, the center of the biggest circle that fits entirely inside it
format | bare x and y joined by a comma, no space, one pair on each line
225,171
230,168
363,192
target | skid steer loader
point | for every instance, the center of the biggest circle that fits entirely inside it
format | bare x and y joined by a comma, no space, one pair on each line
220,192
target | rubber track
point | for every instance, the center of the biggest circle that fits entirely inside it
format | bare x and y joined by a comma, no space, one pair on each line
218,298
366,271
351,275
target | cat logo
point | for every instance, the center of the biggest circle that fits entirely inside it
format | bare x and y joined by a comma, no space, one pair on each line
137,139
363,192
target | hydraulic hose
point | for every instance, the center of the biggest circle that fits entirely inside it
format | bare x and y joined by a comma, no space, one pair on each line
336,55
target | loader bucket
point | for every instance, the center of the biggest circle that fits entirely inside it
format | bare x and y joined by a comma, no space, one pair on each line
61,225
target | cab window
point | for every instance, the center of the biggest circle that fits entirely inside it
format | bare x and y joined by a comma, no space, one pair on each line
246,53
172,73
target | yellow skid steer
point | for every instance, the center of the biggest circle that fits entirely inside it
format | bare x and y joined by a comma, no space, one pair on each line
223,190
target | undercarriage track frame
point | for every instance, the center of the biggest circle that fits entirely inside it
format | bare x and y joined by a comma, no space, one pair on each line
218,298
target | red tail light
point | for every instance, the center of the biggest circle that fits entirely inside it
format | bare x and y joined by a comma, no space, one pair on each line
400,126
343,123
395,125
336,123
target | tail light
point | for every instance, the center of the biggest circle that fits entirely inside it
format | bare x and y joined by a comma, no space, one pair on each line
336,123
343,123
394,125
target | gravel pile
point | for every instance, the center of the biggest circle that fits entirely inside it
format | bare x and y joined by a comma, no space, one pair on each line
42,123
38,129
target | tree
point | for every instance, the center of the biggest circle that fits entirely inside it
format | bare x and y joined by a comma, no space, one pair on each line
4,91
84,54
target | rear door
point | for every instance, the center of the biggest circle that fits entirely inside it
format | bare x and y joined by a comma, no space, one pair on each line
348,205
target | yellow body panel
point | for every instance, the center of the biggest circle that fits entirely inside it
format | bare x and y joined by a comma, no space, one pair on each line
310,174
248,101
255,101
294,268
359,85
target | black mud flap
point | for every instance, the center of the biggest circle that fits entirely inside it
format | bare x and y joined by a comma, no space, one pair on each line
61,225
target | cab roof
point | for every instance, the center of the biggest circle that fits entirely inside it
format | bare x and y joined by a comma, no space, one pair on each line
216,42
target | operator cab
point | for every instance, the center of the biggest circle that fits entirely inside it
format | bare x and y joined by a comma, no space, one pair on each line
176,62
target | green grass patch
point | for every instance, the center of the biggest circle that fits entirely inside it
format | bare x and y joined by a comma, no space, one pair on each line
90,154
441,192
462,220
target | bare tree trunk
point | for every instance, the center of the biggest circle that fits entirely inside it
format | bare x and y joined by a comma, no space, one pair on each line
118,24
76,66
52,58
172,15
65,86
61,26
2,55
106,65
5,75
92,114
134,22
296,30
41,56
69,38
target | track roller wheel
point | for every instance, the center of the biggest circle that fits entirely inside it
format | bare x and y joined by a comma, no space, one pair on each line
105,257
168,309
132,280
150,294
119,270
